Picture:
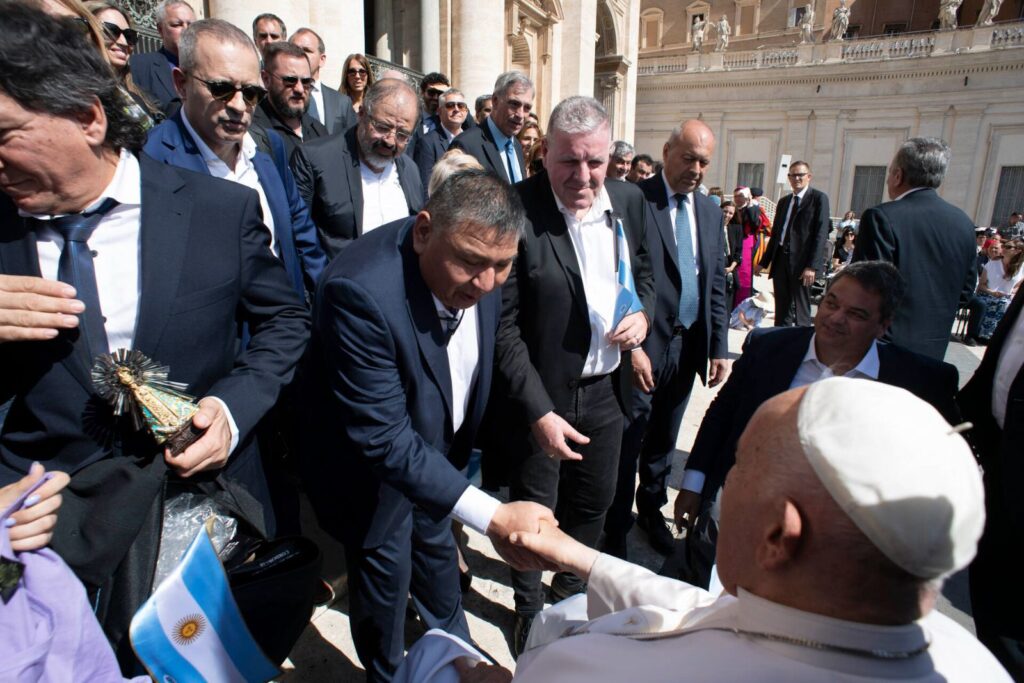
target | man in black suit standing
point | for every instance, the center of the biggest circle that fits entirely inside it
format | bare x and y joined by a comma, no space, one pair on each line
361,180
993,401
564,338
151,71
795,252
102,250
289,80
928,239
328,106
687,248
857,307
494,143
451,114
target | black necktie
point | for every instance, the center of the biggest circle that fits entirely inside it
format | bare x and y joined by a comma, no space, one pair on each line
76,269
450,319
792,217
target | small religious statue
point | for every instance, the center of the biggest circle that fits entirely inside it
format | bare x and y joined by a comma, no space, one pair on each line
723,30
988,12
840,21
947,14
697,32
807,25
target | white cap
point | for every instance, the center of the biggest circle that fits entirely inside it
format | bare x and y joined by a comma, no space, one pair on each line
896,467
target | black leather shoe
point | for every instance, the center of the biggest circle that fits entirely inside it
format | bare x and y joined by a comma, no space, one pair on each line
520,633
564,586
615,545
658,534
970,341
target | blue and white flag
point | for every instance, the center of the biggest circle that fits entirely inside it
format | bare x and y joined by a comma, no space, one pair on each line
190,629
627,301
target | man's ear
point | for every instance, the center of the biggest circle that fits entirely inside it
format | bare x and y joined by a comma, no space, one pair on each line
421,230
180,78
93,122
782,536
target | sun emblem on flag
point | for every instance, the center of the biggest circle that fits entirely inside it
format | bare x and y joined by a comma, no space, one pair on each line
188,629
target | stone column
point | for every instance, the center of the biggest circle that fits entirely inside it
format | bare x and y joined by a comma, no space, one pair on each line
579,40
294,13
383,29
341,24
430,35
477,60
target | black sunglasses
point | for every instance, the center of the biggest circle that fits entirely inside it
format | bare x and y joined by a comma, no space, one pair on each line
292,81
452,105
113,31
224,91
357,72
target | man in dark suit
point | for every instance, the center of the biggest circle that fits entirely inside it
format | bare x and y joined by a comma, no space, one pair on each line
494,143
359,181
566,329
405,327
993,401
151,71
328,106
928,239
210,136
288,78
795,254
163,261
687,248
857,307
451,113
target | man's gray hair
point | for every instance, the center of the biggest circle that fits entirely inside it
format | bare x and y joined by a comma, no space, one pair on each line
879,277
219,30
320,46
160,13
577,114
923,161
270,17
389,87
622,149
450,91
474,197
509,80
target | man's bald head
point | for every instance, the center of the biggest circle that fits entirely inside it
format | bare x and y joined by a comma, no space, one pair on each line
687,155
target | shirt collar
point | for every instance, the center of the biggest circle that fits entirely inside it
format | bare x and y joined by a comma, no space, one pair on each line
802,192
125,187
602,204
910,191
248,150
500,139
316,85
171,58
671,194
868,365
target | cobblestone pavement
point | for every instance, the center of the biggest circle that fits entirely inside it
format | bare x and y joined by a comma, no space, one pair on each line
326,652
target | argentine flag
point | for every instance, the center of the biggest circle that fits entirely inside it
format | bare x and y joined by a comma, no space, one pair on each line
627,301
190,628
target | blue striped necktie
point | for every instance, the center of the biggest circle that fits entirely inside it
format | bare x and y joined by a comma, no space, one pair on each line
513,162
687,264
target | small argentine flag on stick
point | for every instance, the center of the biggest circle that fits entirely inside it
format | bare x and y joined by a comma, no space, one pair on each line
627,301
190,629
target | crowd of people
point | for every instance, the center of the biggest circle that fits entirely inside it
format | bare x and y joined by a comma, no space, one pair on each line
365,286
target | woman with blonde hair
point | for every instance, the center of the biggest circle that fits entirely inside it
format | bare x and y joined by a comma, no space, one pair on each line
356,79
452,161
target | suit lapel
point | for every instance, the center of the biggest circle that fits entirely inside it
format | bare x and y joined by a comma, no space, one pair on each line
163,75
402,163
162,244
355,179
785,363
331,106
188,155
557,234
492,152
663,219
488,311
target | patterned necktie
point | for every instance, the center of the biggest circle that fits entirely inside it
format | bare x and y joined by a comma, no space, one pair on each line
76,268
450,320
513,163
687,264
789,223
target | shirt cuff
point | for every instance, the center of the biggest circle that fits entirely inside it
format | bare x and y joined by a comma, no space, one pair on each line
231,423
475,509
693,481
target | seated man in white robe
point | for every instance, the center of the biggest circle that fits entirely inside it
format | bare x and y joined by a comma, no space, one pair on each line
833,546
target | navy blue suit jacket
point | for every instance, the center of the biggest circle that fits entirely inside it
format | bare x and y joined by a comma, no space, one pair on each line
429,149
152,74
205,267
770,360
386,425
713,316
479,143
294,232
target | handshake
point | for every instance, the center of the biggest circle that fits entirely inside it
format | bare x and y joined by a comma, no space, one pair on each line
526,535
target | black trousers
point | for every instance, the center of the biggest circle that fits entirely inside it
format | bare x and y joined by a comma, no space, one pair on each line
418,558
579,491
792,298
650,434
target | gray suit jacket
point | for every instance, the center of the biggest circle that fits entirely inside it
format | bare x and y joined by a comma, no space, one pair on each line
339,115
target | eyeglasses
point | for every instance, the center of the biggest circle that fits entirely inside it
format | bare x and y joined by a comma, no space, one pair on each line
113,31
383,129
358,72
798,175
456,105
224,91
292,81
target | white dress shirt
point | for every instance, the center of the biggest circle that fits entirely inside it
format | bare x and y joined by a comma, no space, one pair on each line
1011,358
244,172
789,212
318,96
383,198
116,253
810,370
593,240
673,210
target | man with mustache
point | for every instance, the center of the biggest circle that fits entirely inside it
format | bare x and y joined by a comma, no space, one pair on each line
289,79
361,180
564,341
494,143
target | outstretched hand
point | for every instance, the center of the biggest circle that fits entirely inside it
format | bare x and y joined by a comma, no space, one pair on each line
557,549
520,516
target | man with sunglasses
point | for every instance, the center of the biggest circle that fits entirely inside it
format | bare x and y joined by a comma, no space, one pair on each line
328,106
494,143
451,114
151,71
356,182
289,80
